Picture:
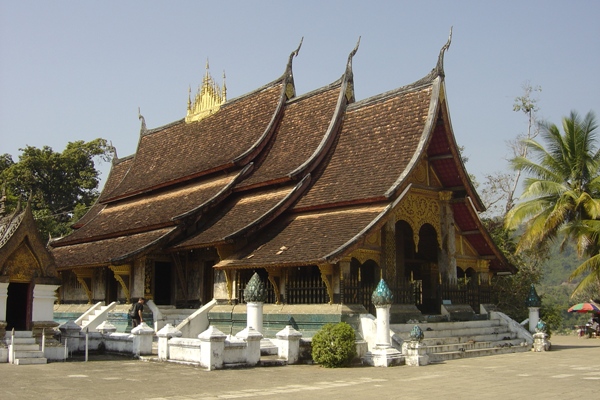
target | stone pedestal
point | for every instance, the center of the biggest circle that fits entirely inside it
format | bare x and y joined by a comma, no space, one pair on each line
415,353
540,342
212,348
252,338
142,339
167,332
255,315
70,334
384,357
289,344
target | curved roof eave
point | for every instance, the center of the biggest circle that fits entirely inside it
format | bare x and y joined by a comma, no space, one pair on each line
217,198
124,258
351,244
274,212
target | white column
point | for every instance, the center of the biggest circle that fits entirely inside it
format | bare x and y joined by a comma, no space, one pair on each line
44,297
3,297
254,315
534,318
383,326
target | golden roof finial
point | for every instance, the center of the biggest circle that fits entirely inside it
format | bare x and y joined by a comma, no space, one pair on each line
208,99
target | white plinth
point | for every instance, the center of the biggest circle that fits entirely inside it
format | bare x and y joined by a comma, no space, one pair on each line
415,354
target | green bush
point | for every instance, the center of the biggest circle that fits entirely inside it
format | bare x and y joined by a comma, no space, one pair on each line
333,346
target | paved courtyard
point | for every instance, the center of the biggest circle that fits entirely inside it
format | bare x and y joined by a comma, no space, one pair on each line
570,370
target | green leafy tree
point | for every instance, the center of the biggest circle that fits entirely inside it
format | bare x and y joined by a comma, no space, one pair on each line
55,183
563,186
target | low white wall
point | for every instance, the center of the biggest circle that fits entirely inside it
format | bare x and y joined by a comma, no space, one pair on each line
184,349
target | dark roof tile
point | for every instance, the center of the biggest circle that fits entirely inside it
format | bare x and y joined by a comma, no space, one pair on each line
375,146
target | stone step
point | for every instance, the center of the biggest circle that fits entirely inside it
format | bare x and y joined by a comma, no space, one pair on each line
447,340
27,347
30,361
19,334
460,332
444,325
28,354
459,347
453,355
21,340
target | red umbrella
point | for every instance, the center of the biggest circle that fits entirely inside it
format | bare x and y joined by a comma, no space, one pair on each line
584,308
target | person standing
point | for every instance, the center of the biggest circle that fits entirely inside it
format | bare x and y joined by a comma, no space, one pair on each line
138,310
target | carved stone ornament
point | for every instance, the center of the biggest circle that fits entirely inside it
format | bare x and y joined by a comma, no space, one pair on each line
255,291
382,296
416,334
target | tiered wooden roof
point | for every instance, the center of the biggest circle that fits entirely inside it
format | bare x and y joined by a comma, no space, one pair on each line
302,179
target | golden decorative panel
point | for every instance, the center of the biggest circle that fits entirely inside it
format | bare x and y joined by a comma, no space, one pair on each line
419,174
363,255
22,264
418,209
374,239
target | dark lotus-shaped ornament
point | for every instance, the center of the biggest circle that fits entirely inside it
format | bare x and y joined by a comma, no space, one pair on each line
382,296
255,291
541,327
416,334
533,300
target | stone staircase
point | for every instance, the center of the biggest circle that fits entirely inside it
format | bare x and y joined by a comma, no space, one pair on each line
96,315
452,340
26,350
174,316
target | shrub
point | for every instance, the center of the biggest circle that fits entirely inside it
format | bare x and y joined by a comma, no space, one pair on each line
333,346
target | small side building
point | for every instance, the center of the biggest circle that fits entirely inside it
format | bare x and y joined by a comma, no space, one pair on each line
28,277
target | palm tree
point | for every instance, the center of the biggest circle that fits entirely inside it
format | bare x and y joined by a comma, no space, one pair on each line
563,187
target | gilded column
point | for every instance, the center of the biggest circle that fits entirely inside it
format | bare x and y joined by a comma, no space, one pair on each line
389,252
447,259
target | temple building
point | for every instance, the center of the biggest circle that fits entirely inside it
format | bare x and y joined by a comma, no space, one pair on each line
320,194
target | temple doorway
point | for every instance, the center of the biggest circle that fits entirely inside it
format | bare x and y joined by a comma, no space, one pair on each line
112,286
18,306
163,283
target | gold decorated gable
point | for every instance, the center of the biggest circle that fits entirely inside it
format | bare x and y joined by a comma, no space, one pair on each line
418,208
208,99
22,265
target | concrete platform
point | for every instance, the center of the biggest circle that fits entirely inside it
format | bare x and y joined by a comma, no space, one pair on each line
570,370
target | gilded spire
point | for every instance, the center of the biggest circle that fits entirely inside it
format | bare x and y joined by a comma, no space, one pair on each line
208,99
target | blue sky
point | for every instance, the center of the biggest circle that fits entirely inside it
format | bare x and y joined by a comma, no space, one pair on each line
78,70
